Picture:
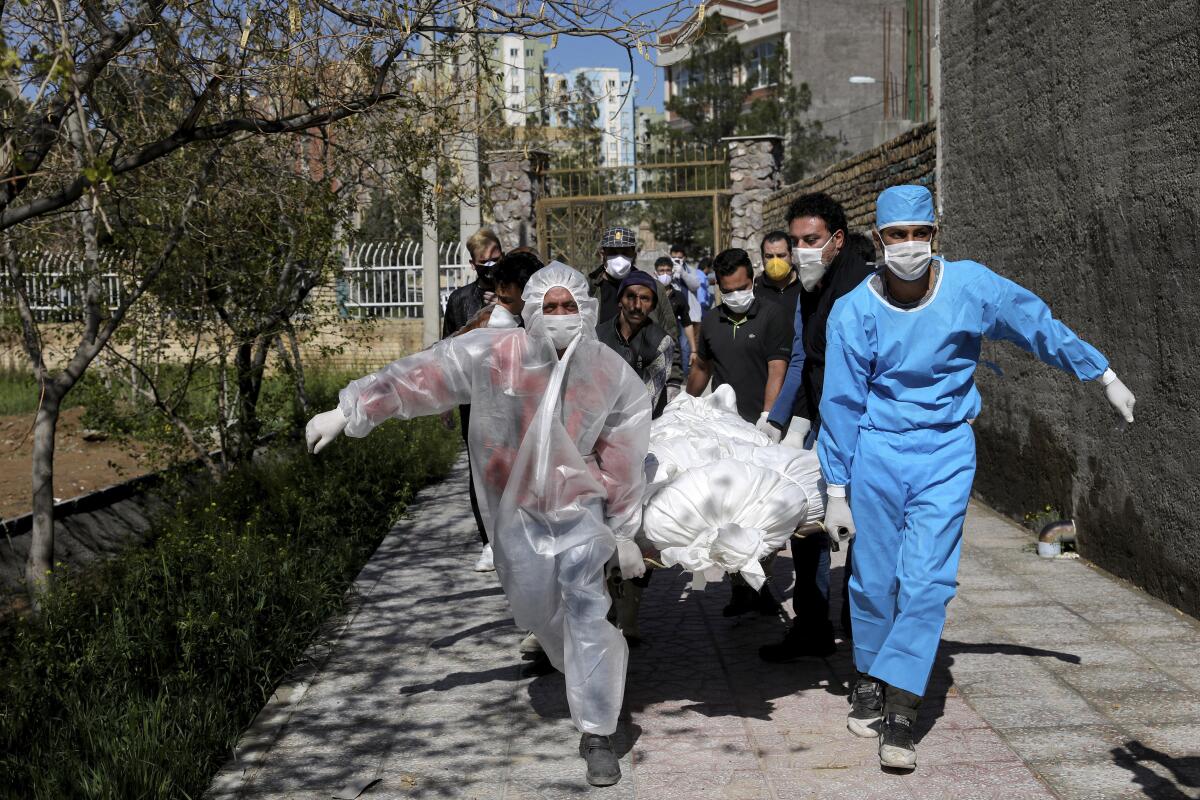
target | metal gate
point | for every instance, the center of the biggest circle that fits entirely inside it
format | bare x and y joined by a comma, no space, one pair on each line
581,200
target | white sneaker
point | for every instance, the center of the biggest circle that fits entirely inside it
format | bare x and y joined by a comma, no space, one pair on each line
486,563
529,645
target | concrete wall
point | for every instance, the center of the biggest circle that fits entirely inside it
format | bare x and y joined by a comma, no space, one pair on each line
832,40
1071,164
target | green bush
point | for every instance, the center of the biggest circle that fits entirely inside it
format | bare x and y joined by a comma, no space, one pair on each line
141,672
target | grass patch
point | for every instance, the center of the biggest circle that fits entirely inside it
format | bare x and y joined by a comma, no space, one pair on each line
19,393
142,671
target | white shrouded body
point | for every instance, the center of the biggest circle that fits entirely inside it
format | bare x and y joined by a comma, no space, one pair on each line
720,495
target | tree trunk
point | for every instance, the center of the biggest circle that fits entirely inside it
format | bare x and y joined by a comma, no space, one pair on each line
248,374
40,562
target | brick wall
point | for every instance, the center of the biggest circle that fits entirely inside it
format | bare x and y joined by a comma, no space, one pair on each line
855,182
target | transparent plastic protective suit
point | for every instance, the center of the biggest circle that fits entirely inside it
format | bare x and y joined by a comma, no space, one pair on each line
721,496
558,447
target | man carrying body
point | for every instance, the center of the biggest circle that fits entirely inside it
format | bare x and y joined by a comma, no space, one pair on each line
742,342
646,348
826,268
483,249
563,426
898,400
745,343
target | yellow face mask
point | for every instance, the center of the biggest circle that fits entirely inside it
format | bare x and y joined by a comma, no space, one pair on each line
777,268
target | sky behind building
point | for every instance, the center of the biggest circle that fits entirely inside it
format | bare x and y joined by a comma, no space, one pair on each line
581,51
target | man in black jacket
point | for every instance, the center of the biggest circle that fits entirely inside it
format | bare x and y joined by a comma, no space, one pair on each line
463,304
828,269
483,250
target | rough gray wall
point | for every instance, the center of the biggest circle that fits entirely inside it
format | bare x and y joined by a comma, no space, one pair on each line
831,40
1071,164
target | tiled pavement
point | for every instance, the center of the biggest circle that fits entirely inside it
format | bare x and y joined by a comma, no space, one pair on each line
1054,679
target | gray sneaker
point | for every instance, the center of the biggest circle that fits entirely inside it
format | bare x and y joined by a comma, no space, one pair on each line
866,707
896,748
602,766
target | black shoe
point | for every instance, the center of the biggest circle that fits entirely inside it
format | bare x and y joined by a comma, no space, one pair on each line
896,748
765,602
602,766
537,665
743,601
798,644
866,707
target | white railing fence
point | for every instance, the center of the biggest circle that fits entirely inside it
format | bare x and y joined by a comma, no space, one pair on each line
55,284
378,279
383,279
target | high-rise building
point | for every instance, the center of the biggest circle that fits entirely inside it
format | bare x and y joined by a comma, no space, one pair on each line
520,64
612,93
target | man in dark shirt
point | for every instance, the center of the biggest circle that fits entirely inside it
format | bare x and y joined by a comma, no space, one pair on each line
464,303
778,282
743,342
483,249
828,269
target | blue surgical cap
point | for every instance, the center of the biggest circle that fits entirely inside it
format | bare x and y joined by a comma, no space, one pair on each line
904,205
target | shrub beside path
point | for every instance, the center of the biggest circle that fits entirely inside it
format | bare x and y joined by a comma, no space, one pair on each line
1054,680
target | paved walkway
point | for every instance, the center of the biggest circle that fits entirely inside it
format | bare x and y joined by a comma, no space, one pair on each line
1054,680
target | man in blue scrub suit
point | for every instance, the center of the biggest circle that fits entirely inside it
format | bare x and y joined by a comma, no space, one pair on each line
896,409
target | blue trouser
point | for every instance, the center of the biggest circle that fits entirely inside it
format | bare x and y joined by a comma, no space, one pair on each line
685,352
908,494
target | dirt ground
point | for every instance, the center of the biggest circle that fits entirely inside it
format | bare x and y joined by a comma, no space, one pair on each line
79,466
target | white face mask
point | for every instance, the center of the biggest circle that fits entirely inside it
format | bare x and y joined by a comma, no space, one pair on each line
738,302
617,266
562,328
501,318
810,264
664,278
908,261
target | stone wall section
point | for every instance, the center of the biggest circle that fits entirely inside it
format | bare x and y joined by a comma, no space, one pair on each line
515,182
855,182
754,173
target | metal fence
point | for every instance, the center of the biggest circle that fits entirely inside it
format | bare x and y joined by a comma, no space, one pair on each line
378,279
55,284
383,279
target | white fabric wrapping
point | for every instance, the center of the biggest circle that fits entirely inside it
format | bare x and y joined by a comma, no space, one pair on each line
720,496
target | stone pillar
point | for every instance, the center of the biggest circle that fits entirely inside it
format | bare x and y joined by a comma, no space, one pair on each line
516,180
755,171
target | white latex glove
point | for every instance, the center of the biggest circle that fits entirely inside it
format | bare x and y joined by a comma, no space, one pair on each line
773,433
629,558
1118,394
839,522
797,432
324,428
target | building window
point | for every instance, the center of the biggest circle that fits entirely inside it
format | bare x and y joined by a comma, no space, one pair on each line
514,52
762,66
